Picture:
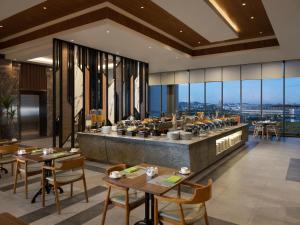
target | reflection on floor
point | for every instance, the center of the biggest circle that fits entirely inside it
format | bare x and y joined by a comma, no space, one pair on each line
258,186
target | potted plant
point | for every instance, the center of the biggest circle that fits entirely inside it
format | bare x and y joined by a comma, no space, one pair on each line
7,103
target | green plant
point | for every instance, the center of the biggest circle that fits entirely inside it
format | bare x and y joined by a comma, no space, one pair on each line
7,103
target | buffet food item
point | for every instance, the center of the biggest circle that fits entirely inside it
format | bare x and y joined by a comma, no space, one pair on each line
106,129
173,135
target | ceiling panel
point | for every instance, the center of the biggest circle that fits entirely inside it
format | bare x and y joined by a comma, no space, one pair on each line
200,17
11,7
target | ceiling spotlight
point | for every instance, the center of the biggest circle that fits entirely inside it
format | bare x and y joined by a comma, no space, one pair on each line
181,31
142,7
260,32
199,42
1,26
44,8
243,4
107,31
252,17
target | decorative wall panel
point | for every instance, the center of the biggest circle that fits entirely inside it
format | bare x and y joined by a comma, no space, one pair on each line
85,79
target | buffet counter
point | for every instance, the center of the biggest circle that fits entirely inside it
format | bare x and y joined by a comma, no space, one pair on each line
197,153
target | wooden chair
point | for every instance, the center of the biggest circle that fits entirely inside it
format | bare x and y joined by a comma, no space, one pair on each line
273,129
122,197
66,176
258,128
181,211
26,169
6,156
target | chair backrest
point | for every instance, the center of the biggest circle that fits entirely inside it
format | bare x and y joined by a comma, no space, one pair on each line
69,164
6,149
118,167
203,193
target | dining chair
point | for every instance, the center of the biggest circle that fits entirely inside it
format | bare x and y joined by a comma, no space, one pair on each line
26,169
258,128
184,211
7,157
70,171
273,129
125,198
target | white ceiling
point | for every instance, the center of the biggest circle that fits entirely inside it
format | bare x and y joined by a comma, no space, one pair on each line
11,7
283,15
200,17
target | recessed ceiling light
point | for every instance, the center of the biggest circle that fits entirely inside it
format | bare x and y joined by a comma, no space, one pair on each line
199,42
260,32
142,7
107,31
44,8
243,4
181,31
72,40
149,46
1,26
252,17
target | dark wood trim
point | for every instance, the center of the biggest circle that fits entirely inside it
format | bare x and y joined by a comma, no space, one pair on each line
107,13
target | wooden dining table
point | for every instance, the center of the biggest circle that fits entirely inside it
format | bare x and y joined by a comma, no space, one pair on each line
8,219
149,185
37,156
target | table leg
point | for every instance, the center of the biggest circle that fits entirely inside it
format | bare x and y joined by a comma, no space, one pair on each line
149,208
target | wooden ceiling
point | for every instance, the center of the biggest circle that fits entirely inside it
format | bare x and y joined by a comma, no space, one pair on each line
147,11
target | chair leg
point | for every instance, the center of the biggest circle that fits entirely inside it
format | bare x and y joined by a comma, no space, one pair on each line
206,217
43,189
71,188
155,212
56,197
127,215
85,190
26,186
16,178
12,169
105,206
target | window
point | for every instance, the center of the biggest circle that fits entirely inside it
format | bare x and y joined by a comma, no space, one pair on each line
164,97
154,100
292,106
231,97
213,97
251,100
182,97
197,98
272,99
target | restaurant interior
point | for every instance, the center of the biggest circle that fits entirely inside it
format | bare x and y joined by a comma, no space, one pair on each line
149,112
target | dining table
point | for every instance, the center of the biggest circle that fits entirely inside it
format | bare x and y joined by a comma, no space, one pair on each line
37,156
9,219
8,141
155,185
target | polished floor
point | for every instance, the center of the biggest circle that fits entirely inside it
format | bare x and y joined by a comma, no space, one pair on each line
259,185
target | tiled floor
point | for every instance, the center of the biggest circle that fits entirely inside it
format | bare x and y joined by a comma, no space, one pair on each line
258,186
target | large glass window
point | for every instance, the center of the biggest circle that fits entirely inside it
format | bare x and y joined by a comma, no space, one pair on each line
197,98
231,97
182,97
154,100
272,99
292,106
164,97
213,97
251,100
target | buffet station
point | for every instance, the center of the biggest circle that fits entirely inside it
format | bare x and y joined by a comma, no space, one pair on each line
195,142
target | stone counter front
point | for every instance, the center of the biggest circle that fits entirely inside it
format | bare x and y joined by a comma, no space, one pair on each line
197,153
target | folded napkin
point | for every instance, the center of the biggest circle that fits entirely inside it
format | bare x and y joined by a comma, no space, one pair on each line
173,179
131,169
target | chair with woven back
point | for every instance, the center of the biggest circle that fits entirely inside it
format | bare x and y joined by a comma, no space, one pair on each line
6,156
184,211
125,198
26,169
70,171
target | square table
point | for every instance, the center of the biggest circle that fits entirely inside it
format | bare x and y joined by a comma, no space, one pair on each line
9,219
144,183
39,157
